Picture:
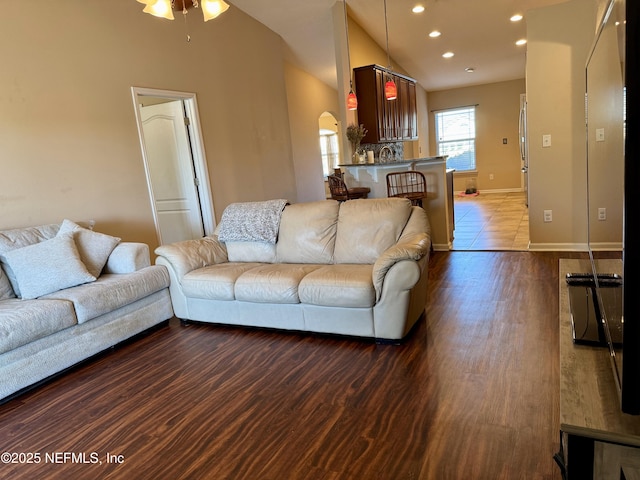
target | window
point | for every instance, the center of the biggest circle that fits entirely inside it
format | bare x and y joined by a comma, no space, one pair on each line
330,151
456,137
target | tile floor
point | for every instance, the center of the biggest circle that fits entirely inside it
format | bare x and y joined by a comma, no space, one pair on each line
491,221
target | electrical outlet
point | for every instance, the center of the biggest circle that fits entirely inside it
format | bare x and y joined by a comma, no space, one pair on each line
548,215
546,141
602,214
491,176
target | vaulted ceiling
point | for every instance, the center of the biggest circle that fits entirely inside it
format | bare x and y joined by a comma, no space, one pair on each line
478,32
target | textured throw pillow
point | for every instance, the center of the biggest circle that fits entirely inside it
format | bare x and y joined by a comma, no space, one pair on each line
48,266
18,238
94,248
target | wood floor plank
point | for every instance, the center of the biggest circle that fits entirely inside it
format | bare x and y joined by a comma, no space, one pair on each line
471,394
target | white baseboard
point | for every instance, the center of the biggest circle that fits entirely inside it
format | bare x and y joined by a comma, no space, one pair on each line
558,247
497,190
606,246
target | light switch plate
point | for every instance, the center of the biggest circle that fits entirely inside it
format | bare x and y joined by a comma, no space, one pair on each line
546,141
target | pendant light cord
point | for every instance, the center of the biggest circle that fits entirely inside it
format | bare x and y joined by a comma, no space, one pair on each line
346,29
386,27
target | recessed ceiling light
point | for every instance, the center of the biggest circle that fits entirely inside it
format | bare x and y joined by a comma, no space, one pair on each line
522,41
516,18
435,34
448,54
418,9
469,69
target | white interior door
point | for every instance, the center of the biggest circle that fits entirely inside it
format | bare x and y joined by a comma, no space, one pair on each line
171,170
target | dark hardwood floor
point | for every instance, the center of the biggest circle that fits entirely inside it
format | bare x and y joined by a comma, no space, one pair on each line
471,394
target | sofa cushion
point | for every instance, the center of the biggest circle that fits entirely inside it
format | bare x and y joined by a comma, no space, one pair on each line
24,321
112,291
47,266
339,286
260,252
277,283
308,232
94,248
367,227
215,282
22,237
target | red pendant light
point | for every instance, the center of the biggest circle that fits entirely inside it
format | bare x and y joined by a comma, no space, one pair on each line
352,100
390,90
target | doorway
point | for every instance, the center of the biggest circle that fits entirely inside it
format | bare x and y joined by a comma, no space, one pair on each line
329,147
329,144
493,221
175,164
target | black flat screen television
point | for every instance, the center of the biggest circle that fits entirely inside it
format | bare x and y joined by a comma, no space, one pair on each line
613,159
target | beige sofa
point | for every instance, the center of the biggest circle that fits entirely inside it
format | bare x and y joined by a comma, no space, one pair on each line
357,268
68,293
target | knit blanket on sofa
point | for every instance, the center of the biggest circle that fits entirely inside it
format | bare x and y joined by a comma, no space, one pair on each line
251,221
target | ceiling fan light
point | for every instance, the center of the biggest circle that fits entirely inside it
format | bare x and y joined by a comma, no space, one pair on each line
390,90
212,8
159,8
352,101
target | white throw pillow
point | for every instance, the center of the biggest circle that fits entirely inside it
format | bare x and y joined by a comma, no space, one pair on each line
94,248
48,266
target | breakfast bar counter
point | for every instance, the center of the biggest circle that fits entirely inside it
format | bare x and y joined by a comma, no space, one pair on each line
439,201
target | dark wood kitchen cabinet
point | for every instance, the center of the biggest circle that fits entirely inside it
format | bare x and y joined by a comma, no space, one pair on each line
386,120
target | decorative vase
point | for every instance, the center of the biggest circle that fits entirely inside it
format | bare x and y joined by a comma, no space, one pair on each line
355,157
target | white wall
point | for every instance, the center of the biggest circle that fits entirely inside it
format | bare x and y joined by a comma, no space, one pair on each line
558,40
498,165
68,138
308,98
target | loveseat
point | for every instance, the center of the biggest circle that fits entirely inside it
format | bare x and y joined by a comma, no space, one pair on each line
68,293
357,268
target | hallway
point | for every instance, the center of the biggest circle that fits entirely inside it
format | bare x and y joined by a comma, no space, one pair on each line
491,221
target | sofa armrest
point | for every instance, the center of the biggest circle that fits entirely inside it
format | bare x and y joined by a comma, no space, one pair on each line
128,257
192,254
411,247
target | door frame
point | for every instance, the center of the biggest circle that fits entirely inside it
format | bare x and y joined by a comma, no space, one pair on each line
197,144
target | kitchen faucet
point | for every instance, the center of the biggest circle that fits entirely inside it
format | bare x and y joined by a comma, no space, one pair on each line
386,158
